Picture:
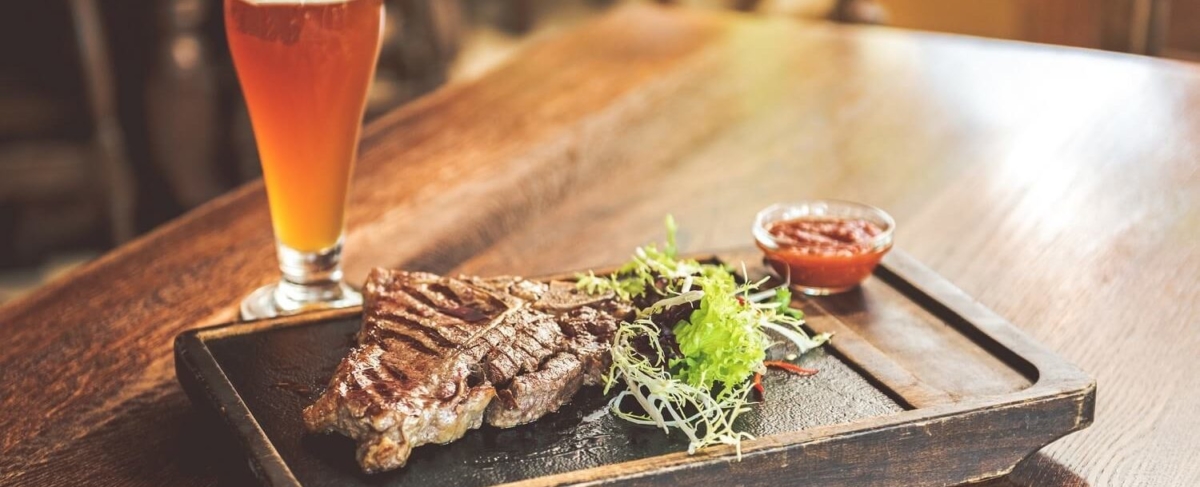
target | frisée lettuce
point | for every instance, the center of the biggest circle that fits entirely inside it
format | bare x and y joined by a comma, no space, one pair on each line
699,336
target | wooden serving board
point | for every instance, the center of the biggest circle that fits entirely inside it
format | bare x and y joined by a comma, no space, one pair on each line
921,385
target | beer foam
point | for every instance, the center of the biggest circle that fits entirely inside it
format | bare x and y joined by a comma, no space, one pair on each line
299,3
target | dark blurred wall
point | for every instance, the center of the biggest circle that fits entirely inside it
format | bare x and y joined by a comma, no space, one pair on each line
1183,30
180,128
39,79
43,129
138,31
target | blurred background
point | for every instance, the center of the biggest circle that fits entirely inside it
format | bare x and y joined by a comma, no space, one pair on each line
118,115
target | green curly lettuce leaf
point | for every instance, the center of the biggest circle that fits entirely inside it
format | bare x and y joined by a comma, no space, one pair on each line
722,342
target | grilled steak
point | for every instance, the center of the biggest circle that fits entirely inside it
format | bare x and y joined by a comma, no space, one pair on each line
436,356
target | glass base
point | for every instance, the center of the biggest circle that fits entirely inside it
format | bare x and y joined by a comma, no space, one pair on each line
274,300
821,291
311,281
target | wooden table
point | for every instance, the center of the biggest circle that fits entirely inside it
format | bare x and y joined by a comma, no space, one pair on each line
1059,187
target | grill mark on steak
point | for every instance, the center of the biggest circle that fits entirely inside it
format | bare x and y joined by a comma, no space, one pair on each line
445,292
385,390
373,375
381,334
413,323
503,341
396,372
465,313
409,304
545,336
438,356
533,395
536,351
451,307
421,297
500,372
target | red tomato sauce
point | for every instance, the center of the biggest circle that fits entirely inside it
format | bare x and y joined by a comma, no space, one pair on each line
831,253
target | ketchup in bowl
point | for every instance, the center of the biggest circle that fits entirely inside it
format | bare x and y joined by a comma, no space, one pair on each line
824,246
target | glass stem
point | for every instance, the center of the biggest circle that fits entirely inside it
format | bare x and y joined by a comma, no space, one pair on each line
309,277
311,281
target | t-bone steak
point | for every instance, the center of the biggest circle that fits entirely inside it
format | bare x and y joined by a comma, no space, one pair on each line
437,356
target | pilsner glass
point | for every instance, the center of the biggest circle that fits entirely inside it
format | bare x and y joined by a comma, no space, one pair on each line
305,67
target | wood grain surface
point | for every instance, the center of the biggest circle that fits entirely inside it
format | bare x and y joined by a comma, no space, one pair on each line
1059,187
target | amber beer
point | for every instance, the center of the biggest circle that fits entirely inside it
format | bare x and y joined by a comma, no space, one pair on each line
305,67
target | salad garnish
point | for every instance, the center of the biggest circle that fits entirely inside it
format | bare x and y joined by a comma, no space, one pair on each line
697,344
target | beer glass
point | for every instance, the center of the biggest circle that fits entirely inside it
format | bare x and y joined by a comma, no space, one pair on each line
305,67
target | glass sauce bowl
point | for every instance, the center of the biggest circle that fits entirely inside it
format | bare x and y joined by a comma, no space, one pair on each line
823,246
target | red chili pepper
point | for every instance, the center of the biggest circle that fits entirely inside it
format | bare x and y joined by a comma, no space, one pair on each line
741,300
790,367
762,394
